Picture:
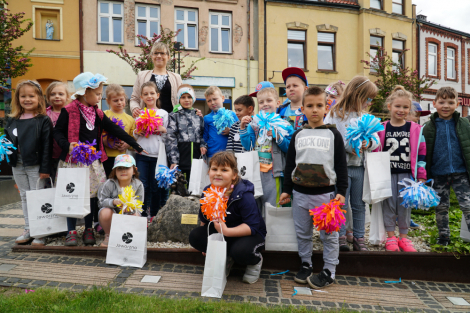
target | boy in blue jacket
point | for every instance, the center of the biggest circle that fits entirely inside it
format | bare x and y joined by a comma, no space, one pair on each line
215,142
272,151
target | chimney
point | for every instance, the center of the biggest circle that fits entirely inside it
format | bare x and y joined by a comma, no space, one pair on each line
422,18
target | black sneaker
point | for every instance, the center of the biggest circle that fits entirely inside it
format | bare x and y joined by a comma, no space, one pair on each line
321,280
443,241
304,273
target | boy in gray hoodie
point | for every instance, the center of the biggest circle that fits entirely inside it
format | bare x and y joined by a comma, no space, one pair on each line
316,164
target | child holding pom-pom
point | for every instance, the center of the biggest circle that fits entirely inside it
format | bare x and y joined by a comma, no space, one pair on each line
316,164
116,99
240,221
357,96
29,129
82,121
150,128
123,174
407,147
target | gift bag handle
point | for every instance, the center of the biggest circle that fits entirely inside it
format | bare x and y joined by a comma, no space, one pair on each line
39,179
208,226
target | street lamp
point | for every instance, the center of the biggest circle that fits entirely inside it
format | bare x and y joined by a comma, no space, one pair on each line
177,46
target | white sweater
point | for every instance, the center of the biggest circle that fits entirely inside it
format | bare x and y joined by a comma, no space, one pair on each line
153,142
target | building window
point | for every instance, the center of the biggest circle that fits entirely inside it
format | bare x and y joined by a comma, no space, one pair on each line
376,4
398,53
397,6
220,32
296,48
450,63
110,25
147,20
326,51
186,20
432,59
375,44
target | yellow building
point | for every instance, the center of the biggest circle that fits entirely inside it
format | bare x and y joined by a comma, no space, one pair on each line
57,56
329,38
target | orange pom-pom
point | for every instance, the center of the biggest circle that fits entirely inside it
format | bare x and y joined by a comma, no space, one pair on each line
214,203
329,217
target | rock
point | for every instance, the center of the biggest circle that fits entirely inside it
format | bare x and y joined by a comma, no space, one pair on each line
166,226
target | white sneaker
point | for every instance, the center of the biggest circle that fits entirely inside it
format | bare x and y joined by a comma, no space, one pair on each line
252,272
24,238
39,242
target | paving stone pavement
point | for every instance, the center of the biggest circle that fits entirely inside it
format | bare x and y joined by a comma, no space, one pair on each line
362,294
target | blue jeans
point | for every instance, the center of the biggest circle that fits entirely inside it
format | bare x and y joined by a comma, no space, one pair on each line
358,207
154,196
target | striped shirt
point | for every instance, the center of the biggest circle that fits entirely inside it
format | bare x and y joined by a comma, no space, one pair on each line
234,144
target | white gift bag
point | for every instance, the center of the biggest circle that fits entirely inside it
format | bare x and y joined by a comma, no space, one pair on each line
72,196
280,228
377,177
377,233
43,220
215,278
248,167
162,158
199,177
127,241
464,233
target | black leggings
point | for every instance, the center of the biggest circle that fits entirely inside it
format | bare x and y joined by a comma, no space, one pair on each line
243,250
72,222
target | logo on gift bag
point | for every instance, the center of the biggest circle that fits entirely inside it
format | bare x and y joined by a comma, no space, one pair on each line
70,187
124,259
127,238
243,171
49,228
46,208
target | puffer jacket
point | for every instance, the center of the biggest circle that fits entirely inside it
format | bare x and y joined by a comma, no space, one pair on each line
33,137
184,137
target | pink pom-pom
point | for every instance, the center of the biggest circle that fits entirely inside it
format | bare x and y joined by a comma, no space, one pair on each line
329,217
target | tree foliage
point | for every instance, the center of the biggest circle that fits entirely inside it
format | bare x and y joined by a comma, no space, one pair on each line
143,61
13,62
390,74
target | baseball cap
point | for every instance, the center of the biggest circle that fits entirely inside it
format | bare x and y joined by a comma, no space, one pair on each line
418,108
294,71
260,86
124,160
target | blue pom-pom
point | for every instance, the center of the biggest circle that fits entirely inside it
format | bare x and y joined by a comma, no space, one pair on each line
416,195
223,119
165,177
273,122
363,129
5,146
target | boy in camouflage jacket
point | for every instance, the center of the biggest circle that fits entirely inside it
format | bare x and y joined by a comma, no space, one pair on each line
184,140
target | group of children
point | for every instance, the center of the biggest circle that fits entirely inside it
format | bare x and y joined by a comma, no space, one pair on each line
309,162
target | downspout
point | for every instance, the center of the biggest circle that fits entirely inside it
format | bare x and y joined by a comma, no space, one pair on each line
265,44
80,23
418,48
248,13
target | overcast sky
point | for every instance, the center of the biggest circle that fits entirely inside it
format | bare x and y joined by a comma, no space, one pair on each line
450,13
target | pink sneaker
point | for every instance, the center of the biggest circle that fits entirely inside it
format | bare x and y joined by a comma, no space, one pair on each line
392,244
406,245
